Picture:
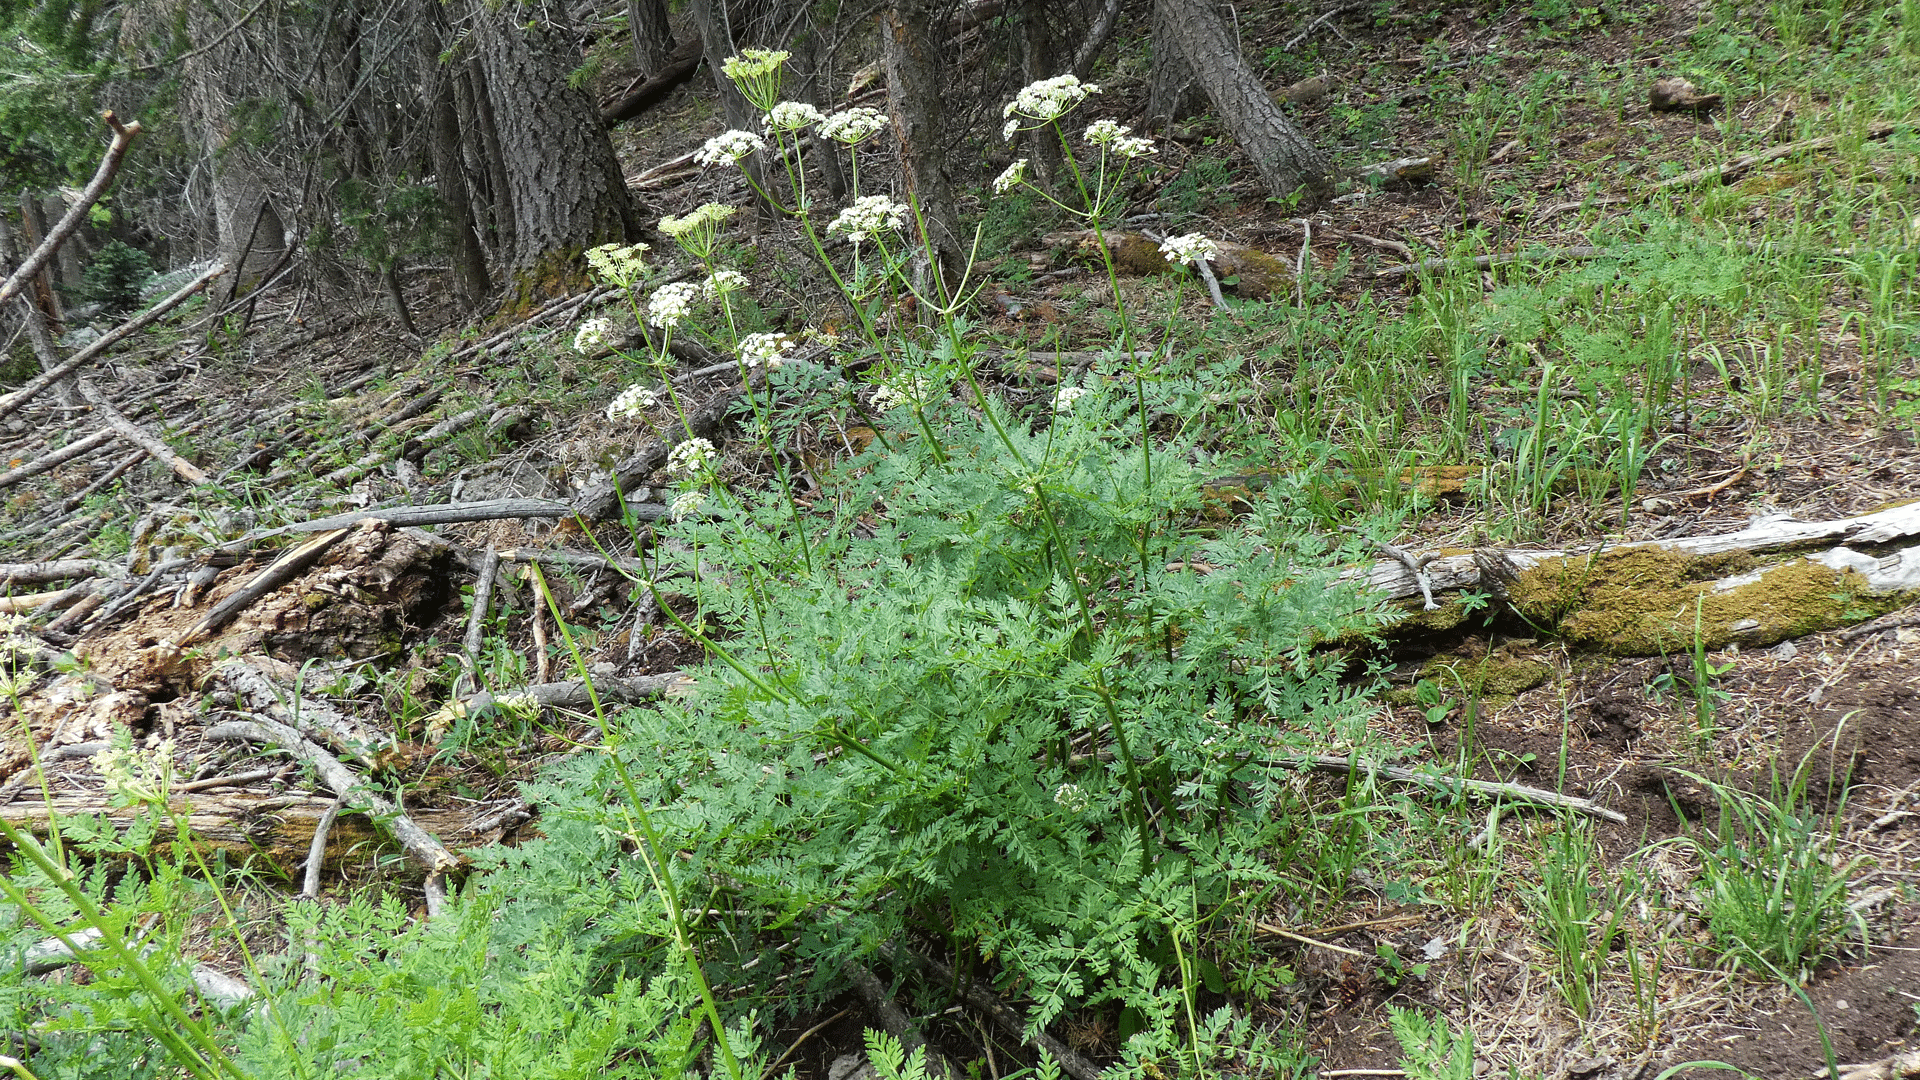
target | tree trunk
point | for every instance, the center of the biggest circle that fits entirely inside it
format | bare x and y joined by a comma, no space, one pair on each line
486,170
564,186
1171,93
470,278
1037,62
652,35
716,41
916,97
813,89
1286,159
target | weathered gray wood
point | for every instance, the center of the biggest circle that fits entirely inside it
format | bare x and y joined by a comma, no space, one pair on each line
57,458
307,714
140,437
282,570
40,573
123,136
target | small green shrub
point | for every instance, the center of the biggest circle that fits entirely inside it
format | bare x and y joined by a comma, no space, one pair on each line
115,276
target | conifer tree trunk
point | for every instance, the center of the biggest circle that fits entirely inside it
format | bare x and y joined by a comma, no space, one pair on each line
916,97
1286,159
652,35
565,191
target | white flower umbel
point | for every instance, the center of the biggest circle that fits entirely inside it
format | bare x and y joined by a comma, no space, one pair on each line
670,304
685,504
1133,146
1191,248
1119,139
632,403
757,73
1049,99
1013,177
907,390
792,116
592,336
853,126
1064,398
1103,132
618,264
722,282
868,215
698,231
691,458
1071,798
757,349
728,147
136,775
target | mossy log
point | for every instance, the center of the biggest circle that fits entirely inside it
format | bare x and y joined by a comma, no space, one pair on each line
1776,579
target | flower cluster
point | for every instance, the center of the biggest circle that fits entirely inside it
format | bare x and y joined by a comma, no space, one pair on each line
632,403
691,458
670,304
1013,177
685,504
1191,248
1071,798
1064,398
522,707
911,390
1045,101
868,215
592,336
757,73
721,282
728,147
757,349
853,126
136,775
1119,139
698,230
792,116
618,264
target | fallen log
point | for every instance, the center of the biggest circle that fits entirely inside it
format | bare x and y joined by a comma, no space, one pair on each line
57,458
1653,596
281,571
140,437
308,715
680,66
40,573
1728,172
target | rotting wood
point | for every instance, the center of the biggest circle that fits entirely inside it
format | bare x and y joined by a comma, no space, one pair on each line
345,783
1728,172
123,136
57,458
140,437
41,573
11,403
58,598
1343,765
307,714
282,570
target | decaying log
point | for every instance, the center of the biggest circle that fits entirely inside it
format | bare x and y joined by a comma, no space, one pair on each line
680,66
280,827
306,714
123,136
41,573
57,458
281,571
418,842
1835,558
140,437
57,598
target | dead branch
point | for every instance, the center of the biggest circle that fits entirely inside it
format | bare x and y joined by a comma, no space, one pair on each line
305,714
441,514
342,781
482,599
59,598
1096,39
1486,262
57,458
895,1020
123,136
40,573
680,66
281,571
12,402
1733,170
1010,1021
1343,766
432,437
317,851
139,436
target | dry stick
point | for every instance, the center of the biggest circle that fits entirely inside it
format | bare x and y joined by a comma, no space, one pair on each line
59,598
123,136
1740,166
1003,1014
895,1020
1269,928
804,1036
345,783
308,715
282,570
140,437
572,693
432,437
40,573
1302,35
542,666
236,780
482,599
57,458
1342,765
1485,262
1300,267
317,852
443,514
133,595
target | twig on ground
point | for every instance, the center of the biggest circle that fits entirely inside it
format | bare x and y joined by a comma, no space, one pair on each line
57,458
1310,27
306,713
1269,928
1343,765
980,997
140,437
1730,171
895,1020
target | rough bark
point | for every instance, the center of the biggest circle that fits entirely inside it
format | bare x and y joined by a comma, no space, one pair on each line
916,95
564,185
1286,159
1172,94
470,278
1037,61
653,40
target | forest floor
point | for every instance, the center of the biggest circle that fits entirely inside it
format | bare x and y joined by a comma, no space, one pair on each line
1782,402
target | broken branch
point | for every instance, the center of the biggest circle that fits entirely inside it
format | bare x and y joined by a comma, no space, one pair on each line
123,136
